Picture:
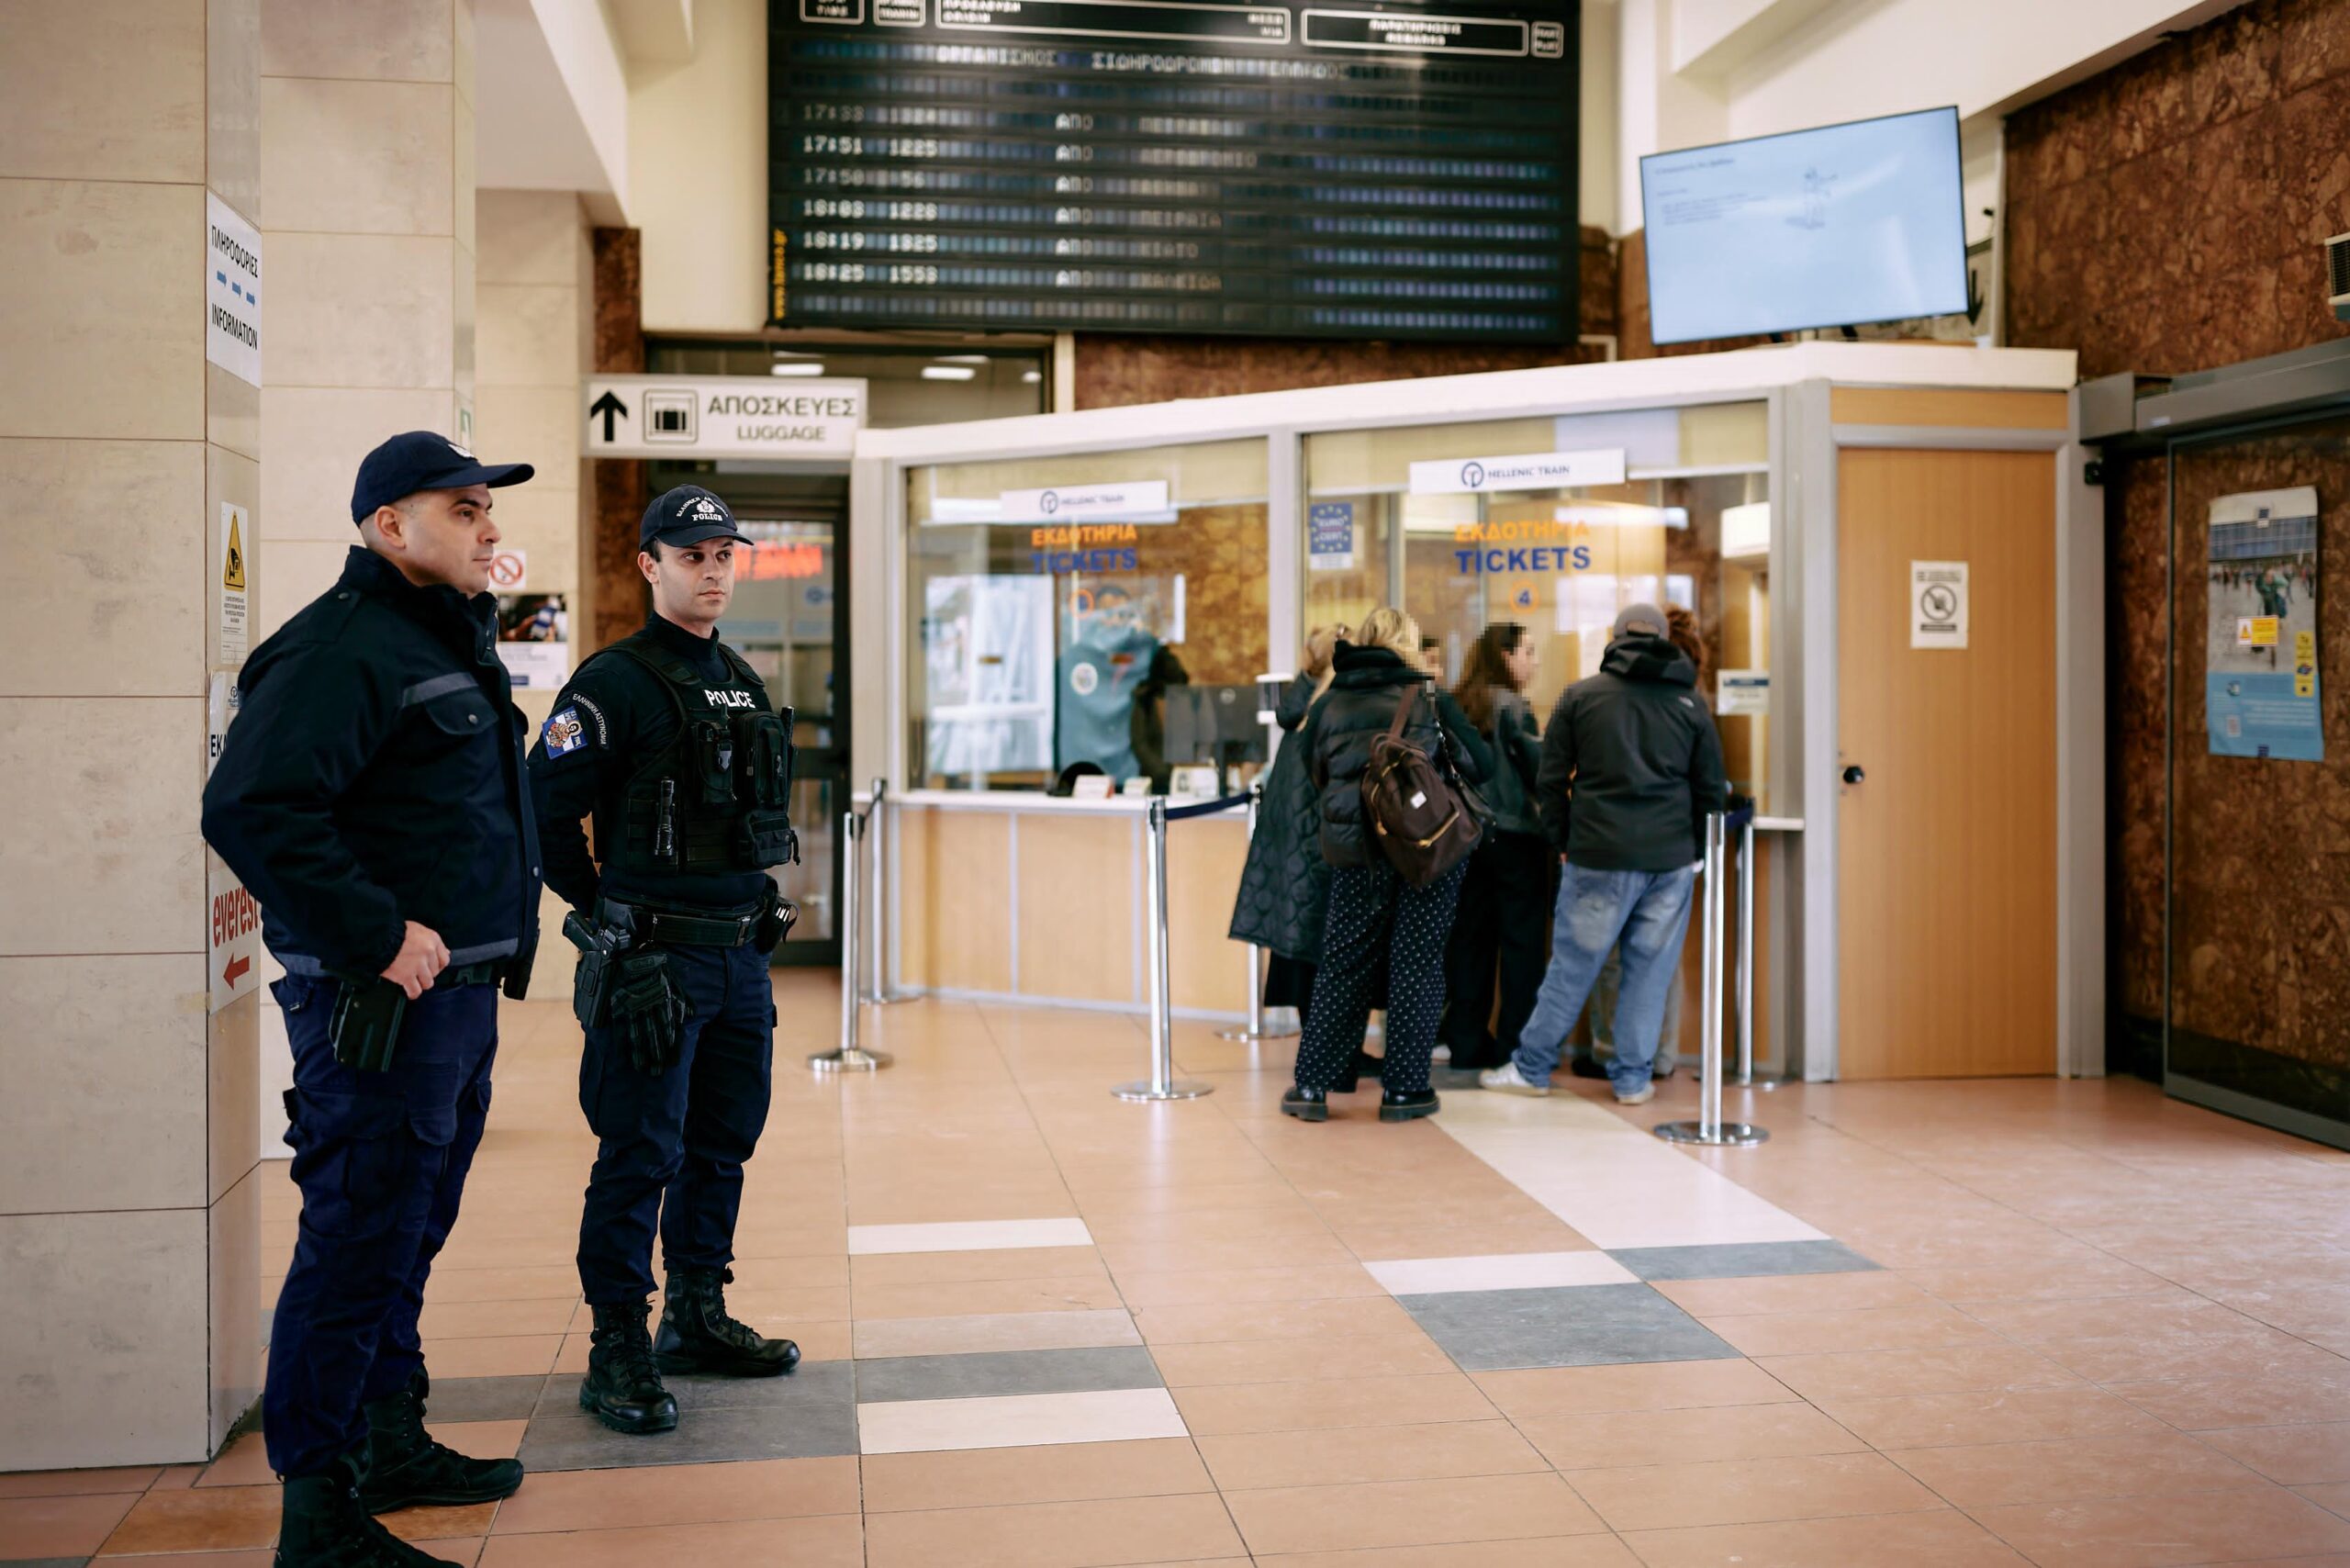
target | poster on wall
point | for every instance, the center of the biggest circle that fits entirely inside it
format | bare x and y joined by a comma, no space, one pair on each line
2260,696
987,664
534,640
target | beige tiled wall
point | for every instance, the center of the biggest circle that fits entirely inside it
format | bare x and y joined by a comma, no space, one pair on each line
125,1138
366,179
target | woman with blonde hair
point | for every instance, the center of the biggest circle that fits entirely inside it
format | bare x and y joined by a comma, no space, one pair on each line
1285,880
1371,913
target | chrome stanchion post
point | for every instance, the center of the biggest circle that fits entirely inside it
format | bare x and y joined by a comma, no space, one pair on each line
1709,1128
881,995
1746,952
1255,1029
1162,1083
850,1056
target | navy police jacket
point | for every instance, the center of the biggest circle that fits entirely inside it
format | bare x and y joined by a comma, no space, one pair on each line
375,777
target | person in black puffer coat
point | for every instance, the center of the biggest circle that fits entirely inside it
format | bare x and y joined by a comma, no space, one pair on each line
1513,875
1285,881
1373,911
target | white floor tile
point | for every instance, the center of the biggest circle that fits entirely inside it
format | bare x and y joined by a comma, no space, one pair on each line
1026,1420
1499,1272
1615,1183
968,1235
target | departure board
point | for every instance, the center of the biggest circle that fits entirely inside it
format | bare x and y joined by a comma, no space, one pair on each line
1373,170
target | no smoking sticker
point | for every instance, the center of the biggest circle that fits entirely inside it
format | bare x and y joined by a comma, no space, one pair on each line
508,570
1938,604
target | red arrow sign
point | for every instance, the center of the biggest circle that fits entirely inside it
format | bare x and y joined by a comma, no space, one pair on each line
236,969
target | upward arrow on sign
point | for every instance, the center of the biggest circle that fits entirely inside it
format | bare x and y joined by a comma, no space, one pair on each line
611,407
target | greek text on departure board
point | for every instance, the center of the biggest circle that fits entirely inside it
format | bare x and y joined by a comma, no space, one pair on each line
1364,169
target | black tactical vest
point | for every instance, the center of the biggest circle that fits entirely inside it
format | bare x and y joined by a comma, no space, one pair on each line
713,800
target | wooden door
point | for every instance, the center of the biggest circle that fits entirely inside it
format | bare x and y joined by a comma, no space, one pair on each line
1946,881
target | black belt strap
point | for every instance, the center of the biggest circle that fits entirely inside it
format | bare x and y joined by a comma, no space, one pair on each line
490,971
683,928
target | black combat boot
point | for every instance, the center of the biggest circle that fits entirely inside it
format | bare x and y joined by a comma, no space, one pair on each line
623,1388
696,1335
409,1468
325,1525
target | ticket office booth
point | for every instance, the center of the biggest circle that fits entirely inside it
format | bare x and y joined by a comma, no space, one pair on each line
1929,876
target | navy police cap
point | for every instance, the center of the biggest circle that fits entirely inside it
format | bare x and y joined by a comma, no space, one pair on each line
687,515
422,460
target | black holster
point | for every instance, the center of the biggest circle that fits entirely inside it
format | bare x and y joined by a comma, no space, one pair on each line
364,1027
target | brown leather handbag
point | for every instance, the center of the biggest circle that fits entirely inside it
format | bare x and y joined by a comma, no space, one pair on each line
1419,815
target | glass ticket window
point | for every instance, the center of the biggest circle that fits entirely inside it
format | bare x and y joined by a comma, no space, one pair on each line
1558,523
1054,603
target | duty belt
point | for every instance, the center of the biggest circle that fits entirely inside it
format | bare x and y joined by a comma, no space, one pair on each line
679,927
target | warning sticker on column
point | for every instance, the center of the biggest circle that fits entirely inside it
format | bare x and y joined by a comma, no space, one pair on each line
1938,604
233,596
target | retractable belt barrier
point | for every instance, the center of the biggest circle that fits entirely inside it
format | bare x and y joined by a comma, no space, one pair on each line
1709,1128
1162,1083
851,1057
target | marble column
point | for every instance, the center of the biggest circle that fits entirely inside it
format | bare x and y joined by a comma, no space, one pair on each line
130,1201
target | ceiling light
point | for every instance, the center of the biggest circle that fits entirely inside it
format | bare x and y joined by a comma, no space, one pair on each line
1032,377
948,372
961,358
797,367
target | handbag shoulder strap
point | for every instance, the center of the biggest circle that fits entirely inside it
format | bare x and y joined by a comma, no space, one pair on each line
1403,713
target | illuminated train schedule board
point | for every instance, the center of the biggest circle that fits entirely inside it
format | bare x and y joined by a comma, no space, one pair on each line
1373,170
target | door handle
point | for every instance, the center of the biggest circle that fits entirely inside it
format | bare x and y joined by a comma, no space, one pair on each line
1853,775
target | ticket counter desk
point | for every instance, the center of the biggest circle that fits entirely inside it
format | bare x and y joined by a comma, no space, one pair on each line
1889,552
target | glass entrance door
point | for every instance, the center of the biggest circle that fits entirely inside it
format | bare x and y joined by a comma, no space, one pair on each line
785,620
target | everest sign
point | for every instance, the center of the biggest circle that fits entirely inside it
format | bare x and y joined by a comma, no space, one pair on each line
233,956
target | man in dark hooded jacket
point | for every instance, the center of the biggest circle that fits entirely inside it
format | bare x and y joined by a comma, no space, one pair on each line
1631,766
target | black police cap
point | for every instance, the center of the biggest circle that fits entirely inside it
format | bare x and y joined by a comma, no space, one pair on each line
423,460
688,515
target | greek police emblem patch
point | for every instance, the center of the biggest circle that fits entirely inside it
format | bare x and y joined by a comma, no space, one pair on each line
564,733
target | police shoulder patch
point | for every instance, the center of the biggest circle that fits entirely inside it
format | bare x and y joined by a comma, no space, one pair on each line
564,733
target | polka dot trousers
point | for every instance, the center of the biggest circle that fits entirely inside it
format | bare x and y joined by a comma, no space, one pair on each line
1373,912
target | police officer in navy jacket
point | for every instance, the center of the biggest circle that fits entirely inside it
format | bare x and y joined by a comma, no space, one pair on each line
667,740
372,797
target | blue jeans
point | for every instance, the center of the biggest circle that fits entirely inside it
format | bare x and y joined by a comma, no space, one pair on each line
1649,911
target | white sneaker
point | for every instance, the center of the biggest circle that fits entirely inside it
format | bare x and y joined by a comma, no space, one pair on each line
1640,1096
1443,1054
1507,1079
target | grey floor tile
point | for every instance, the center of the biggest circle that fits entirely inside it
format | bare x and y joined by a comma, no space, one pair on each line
807,1414
1570,1326
991,1372
484,1398
1742,1260
44,1561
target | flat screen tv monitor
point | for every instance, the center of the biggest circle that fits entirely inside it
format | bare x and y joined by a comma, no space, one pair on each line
1827,227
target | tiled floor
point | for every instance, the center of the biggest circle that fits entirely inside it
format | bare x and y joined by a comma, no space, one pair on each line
2069,1324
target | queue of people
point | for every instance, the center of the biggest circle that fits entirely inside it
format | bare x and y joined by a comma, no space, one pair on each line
1587,838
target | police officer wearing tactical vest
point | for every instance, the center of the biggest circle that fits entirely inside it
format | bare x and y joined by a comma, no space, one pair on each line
372,796
666,738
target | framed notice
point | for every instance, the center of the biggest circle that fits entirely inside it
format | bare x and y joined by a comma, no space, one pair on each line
2260,675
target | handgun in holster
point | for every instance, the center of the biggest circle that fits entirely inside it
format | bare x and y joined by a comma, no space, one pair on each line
600,949
365,1023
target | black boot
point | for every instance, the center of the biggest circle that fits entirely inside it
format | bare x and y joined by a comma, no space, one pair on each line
623,1388
1307,1104
324,1525
409,1468
696,1335
1397,1107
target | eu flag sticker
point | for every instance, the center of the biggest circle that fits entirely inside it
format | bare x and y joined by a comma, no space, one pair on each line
564,733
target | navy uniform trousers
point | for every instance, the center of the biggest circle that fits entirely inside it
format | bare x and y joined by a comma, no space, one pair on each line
381,1158
670,1146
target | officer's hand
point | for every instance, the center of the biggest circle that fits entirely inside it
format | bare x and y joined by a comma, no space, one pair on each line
423,955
